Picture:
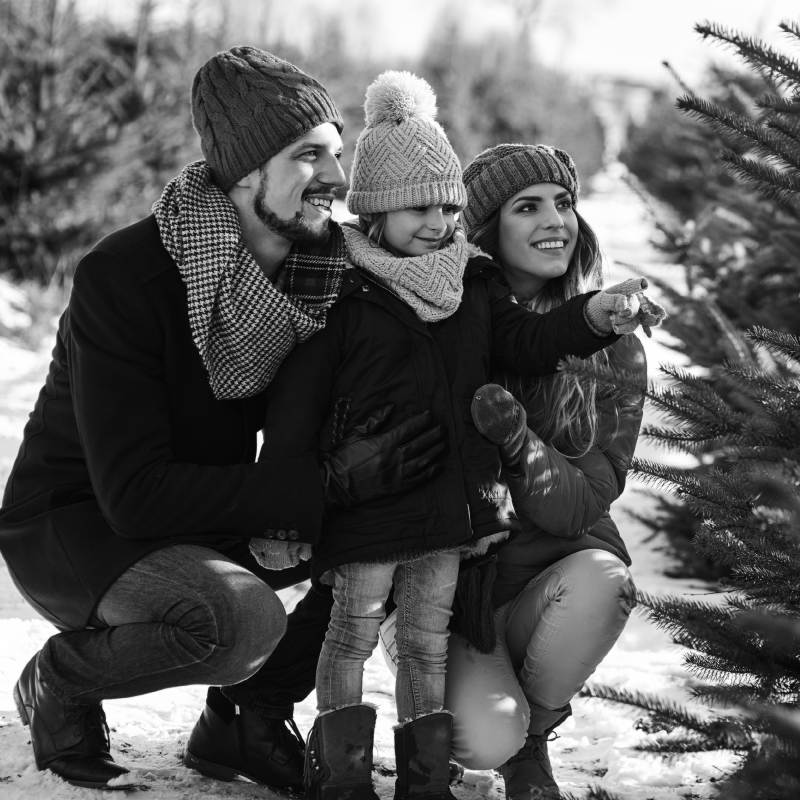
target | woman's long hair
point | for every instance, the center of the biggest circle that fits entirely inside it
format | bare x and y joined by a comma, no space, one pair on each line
562,409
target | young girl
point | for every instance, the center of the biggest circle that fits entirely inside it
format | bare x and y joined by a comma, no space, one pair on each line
416,327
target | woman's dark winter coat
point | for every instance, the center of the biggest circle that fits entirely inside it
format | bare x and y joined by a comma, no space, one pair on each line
563,504
375,352
127,451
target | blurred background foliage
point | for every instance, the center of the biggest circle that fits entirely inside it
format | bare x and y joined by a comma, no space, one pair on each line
94,114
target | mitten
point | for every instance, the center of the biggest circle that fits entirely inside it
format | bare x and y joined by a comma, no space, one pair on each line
651,314
501,419
622,308
277,554
617,304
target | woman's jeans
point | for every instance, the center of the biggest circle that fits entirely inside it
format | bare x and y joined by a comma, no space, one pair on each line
181,615
424,591
550,639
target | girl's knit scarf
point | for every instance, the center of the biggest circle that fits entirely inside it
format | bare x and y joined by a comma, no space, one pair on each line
241,324
431,284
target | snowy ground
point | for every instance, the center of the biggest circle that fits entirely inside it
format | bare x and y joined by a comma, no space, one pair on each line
596,744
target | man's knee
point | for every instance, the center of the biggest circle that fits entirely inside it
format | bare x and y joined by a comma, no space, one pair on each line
252,620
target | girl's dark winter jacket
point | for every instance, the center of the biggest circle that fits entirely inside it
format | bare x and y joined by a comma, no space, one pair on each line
127,450
375,352
563,504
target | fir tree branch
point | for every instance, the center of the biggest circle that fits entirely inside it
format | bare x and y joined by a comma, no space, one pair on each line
776,342
767,181
777,103
753,52
757,137
665,709
791,28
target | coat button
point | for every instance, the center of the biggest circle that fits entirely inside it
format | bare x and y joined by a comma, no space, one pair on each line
293,534
281,534
270,534
365,288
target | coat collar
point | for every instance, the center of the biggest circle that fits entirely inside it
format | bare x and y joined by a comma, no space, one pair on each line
358,285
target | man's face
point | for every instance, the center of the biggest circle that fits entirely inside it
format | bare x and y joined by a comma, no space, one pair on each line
298,185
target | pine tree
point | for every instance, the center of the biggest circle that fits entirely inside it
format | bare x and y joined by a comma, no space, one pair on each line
744,652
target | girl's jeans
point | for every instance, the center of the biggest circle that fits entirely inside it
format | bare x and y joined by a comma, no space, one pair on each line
550,639
424,590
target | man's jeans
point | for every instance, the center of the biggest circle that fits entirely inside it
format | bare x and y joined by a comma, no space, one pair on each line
424,591
186,614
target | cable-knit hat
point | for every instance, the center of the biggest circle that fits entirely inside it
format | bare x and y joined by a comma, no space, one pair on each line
403,158
505,169
247,105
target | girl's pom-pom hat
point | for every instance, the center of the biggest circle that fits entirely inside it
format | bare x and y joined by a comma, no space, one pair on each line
403,158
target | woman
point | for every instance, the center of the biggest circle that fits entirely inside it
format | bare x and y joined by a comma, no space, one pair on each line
562,593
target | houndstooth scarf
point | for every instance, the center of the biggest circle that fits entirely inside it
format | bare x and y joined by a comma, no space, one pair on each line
242,325
431,284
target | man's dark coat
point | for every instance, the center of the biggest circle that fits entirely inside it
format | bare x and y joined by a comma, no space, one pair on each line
127,451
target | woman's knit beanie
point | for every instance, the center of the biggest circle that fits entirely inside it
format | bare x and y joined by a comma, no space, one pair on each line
403,158
247,105
505,169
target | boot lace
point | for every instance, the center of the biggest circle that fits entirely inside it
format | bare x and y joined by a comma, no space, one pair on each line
535,747
92,721
296,731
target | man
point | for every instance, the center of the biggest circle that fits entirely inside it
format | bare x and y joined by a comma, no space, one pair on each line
127,516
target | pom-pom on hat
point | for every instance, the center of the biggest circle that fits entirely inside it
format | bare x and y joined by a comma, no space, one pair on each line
403,158
247,105
501,171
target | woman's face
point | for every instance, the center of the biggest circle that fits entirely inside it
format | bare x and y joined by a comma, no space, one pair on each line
538,233
417,231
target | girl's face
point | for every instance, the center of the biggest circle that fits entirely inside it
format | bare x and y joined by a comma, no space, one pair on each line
417,231
538,233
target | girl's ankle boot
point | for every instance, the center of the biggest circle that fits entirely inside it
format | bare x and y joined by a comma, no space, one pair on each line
338,762
422,751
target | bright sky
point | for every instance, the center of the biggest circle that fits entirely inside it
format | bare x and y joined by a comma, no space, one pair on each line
625,38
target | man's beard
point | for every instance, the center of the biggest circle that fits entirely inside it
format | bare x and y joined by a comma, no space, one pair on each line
297,229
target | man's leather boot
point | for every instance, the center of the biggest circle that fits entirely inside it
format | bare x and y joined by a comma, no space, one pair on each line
528,774
422,752
69,739
339,755
226,742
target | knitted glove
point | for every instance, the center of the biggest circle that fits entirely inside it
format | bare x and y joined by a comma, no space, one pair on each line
651,314
277,554
622,308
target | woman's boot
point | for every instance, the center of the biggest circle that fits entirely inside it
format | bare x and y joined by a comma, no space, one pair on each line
422,752
528,774
339,755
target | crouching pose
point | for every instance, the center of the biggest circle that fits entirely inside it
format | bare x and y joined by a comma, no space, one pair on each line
563,592
127,515
416,326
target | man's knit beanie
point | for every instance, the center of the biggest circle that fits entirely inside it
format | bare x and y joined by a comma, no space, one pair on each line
403,158
247,105
501,171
